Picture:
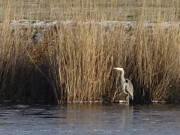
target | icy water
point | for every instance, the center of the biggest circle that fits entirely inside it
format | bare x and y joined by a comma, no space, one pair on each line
95,119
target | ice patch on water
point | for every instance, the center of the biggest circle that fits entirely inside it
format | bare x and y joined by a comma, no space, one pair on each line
103,131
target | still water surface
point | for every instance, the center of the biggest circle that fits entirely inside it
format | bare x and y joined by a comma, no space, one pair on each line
96,119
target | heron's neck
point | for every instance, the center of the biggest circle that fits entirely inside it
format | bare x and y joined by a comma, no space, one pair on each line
122,79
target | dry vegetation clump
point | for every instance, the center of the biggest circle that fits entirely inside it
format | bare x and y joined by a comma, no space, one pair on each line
24,67
87,54
74,61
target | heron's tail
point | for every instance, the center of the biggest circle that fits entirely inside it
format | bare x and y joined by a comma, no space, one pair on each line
131,97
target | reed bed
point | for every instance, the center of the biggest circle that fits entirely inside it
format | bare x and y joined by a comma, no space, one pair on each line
74,61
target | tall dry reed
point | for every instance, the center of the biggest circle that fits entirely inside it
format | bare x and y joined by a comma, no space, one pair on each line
87,54
75,60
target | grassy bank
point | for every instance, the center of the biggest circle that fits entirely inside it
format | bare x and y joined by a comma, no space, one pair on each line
74,61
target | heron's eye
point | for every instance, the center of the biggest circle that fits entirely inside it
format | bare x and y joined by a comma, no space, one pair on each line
126,81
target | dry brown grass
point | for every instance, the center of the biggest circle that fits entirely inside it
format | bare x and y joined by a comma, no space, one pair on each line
88,53
75,61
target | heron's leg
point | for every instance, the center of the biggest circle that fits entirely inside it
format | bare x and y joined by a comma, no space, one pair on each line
127,99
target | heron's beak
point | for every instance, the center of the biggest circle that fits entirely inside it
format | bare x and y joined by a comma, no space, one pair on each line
118,68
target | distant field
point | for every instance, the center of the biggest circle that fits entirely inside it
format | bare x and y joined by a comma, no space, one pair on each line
138,10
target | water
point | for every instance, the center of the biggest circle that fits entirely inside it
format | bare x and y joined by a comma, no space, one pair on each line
96,119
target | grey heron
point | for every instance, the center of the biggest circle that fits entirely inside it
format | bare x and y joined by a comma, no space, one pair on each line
125,84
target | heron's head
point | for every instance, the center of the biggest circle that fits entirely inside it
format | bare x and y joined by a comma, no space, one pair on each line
118,68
